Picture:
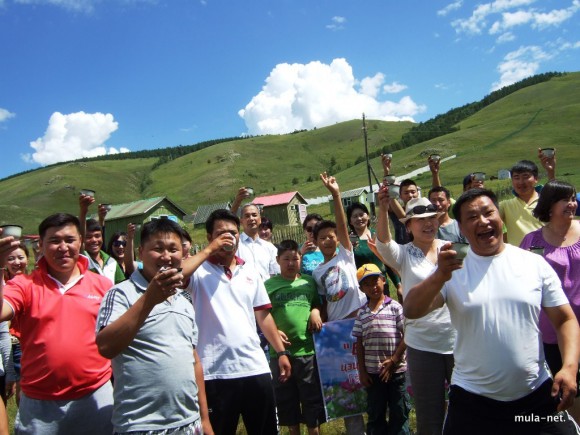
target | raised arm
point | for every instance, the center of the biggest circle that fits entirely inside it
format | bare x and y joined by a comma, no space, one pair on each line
129,258
566,325
383,230
7,245
240,196
84,202
426,296
341,228
548,163
191,264
434,168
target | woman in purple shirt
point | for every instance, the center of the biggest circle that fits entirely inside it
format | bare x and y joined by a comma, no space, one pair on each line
560,238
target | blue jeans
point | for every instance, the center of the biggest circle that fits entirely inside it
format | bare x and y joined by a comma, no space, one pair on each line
391,396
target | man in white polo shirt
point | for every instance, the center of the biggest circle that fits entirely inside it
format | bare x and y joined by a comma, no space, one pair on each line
229,298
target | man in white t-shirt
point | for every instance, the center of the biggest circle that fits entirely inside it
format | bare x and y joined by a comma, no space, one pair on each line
500,380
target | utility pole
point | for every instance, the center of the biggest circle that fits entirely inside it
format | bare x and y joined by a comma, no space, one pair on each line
369,169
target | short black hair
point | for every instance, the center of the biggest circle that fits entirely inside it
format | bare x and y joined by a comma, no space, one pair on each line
552,192
407,182
156,226
288,246
93,225
309,217
350,210
58,220
265,222
524,166
221,214
437,189
469,196
321,226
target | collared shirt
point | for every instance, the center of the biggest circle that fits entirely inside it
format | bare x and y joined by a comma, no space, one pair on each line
145,398
259,256
60,356
110,269
380,332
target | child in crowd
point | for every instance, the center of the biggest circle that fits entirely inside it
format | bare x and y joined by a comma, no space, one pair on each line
295,305
336,276
378,329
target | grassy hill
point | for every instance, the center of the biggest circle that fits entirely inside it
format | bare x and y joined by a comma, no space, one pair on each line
510,129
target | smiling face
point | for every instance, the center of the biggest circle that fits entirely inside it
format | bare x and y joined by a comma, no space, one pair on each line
162,249
524,184
16,262
564,209
482,226
327,242
93,242
118,247
359,220
423,229
60,247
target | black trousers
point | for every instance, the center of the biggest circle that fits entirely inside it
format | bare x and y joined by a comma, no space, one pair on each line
251,397
534,414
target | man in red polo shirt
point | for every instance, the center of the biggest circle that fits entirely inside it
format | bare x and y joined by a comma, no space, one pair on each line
65,381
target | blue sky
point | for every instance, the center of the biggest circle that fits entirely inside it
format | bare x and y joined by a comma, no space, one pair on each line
88,77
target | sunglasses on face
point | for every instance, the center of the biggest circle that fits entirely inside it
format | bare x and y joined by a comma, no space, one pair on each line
422,209
119,243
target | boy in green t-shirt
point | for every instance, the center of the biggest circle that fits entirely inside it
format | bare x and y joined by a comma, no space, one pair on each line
295,303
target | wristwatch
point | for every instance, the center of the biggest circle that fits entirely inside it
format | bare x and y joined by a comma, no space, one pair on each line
284,352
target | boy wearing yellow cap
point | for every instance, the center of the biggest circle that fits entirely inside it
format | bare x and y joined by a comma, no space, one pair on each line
380,348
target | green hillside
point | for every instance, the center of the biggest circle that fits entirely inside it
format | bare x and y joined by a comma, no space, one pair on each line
512,128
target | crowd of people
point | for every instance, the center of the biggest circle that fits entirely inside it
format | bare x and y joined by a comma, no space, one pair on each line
97,340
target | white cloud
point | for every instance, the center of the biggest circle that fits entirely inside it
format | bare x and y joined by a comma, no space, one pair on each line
525,61
505,37
512,14
519,64
304,96
394,88
82,6
73,136
371,85
478,19
449,8
5,115
337,23
85,6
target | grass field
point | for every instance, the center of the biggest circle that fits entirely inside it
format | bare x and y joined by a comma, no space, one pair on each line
335,427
